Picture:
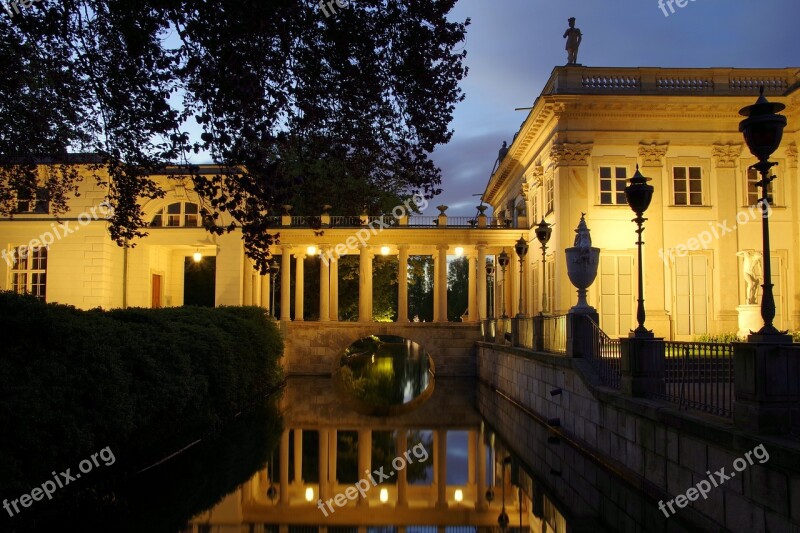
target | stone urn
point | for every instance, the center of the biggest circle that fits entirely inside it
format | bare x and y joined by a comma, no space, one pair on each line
582,263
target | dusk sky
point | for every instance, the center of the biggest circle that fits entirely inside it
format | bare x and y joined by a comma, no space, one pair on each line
513,45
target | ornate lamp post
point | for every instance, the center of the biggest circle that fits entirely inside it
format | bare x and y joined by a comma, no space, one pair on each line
503,261
638,195
543,231
274,268
521,247
489,284
763,131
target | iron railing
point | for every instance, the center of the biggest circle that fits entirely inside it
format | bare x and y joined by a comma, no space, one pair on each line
606,357
496,330
699,375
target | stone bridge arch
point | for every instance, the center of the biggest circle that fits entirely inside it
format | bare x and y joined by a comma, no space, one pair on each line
314,348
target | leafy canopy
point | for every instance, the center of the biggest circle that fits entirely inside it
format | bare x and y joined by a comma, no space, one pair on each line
294,106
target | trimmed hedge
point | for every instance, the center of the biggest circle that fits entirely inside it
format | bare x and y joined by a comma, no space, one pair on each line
144,382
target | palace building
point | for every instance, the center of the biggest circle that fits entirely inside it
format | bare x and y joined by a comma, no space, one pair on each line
582,140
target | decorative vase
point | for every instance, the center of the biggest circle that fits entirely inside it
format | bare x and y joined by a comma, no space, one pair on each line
582,263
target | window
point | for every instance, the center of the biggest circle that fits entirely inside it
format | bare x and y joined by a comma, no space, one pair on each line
179,214
535,206
38,203
549,195
754,191
29,271
687,185
613,181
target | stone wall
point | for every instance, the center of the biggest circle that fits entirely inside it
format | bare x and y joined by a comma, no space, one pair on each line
314,348
666,450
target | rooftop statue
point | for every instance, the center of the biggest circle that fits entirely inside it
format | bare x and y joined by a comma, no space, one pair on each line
501,154
574,37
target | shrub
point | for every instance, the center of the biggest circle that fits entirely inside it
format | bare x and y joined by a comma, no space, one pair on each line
144,382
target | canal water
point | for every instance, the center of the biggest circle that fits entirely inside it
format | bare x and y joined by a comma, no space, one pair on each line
384,445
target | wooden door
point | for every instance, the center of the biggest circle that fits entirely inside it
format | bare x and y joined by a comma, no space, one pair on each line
155,300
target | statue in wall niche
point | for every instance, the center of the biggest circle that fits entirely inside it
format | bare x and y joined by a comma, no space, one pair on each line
574,37
753,276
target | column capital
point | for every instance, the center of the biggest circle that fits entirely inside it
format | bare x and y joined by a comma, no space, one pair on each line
570,154
441,247
725,155
481,246
403,246
652,154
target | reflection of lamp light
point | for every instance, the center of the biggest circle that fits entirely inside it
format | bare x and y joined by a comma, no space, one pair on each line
384,495
459,495
385,250
309,494
459,251
311,250
197,256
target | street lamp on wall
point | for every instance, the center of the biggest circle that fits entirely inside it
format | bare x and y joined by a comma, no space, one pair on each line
763,131
543,232
521,247
638,195
503,259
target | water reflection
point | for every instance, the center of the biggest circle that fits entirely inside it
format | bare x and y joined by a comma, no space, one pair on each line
384,374
458,462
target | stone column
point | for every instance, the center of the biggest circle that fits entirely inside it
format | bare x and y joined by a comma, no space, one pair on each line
436,306
299,289
471,452
334,289
402,475
402,284
480,500
324,289
284,468
266,288
286,283
441,468
642,367
481,288
441,282
364,458
472,307
656,271
365,285
332,456
570,175
323,464
767,398
726,158
298,456
247,277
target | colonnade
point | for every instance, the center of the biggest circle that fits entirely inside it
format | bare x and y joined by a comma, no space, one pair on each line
257,289
328,484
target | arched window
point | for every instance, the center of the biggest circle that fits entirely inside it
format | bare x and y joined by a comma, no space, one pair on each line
179,214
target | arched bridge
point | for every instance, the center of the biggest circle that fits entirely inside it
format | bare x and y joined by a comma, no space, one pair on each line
314,348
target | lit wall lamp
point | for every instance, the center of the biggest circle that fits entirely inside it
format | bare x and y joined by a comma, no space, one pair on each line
197,256
385,250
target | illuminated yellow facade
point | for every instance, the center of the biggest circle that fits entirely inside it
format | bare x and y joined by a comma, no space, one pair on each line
586,134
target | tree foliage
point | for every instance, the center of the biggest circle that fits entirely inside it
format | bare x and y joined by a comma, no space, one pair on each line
295,107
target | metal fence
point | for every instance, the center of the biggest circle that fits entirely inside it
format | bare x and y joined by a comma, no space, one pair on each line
699,375
496,330
606,357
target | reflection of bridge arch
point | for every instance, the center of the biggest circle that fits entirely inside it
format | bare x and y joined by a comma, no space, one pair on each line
314,348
